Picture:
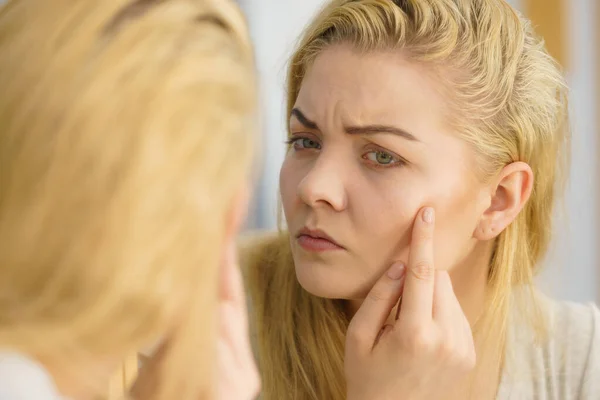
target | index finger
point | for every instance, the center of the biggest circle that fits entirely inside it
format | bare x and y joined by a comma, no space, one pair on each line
417,299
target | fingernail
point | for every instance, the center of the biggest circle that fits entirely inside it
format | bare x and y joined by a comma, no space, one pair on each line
428,215
396,271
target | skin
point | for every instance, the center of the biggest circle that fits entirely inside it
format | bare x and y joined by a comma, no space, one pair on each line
428,348
365,189
365,186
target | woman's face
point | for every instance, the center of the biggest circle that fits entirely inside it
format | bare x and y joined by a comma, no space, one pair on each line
370,146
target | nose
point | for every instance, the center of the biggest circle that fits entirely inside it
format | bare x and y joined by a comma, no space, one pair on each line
323,185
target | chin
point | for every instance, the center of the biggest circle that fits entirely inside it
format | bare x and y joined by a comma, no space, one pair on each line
327,281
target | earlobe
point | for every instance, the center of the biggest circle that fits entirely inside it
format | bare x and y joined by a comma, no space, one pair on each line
485,230
509,194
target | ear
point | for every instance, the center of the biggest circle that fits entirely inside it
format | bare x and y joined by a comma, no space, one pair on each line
509,193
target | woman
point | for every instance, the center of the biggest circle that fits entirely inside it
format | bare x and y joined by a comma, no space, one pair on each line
119,203
427,139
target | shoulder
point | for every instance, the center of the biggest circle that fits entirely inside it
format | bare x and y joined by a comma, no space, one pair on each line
570,320
575,343
574,330
565,364
23,378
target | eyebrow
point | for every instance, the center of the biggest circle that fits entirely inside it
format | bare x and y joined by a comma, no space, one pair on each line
358,130
303,120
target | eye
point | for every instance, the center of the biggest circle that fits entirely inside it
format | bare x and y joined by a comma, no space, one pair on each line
301,143
382,158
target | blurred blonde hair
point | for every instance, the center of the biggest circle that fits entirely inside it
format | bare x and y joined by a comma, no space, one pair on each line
126,132
509,100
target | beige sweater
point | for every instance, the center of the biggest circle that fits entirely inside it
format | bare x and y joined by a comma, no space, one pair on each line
567,367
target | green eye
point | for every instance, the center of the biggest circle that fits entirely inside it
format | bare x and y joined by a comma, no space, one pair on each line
302,143
381,157
309,144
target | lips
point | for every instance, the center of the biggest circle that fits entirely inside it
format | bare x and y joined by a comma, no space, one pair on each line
315,240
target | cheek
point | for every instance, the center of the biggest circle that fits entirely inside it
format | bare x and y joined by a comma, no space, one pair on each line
384,221
388,214
457,215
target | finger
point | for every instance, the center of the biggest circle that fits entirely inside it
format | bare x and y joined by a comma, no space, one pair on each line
398,307
231,279
399,303
236,364
234,329
232,283
227,370
447,311
230,324
446,308
233,316
384,331
449,316
417,296
469,342
375,309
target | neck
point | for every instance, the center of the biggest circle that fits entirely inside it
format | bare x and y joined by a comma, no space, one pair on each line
470,281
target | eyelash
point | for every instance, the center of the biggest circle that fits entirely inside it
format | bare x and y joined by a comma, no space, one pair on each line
397,160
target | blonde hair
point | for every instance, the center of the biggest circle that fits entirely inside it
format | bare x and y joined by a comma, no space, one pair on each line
509,98
126,132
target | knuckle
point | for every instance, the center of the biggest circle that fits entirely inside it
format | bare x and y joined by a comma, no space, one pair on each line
355,337
462,360
423,270
446,351
421,342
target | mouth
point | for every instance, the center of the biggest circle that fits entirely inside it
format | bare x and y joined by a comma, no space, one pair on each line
316,241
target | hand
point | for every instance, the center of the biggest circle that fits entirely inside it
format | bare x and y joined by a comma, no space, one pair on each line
429,347
238,377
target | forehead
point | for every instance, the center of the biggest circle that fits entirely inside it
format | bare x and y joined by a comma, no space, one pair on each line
374,87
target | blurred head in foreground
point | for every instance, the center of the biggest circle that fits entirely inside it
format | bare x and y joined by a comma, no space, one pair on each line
126,133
